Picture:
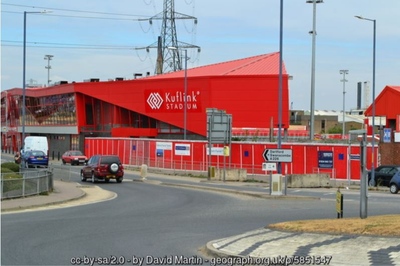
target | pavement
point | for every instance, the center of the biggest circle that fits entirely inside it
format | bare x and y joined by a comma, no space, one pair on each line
261,246
65,194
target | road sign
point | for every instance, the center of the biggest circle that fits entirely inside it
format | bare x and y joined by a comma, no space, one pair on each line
269,166
387,132
278,155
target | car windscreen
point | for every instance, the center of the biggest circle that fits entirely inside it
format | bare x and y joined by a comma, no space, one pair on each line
38,153
76,153
109,159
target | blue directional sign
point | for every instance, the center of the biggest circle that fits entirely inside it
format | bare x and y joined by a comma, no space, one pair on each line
387,133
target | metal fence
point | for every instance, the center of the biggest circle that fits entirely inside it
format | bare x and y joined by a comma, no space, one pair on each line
26,183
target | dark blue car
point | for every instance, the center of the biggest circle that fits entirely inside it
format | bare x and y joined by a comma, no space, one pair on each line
35,158
394,183
383,174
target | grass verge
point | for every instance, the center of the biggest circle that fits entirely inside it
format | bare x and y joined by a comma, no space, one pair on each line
383,225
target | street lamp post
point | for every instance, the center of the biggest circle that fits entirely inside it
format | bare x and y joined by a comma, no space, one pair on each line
344,80
24,74
280,82
314,33
48,57
184,93
373,97
185,99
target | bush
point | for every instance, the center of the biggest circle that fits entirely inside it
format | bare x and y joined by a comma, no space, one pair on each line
10,165
8,174
335,130
9,185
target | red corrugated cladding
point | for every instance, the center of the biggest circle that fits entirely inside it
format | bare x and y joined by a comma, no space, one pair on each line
252,100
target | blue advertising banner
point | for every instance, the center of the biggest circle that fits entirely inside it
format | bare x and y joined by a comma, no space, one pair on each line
325,159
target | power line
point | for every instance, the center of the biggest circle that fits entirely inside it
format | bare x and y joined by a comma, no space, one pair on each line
84,17
7,43
74,10
72,47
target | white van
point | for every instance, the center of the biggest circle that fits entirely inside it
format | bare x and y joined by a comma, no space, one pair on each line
36,143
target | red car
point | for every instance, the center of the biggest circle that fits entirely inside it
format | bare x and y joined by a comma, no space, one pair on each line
73,157
103,167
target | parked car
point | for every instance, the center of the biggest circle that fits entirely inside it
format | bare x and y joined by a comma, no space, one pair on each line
394,183
104,167
383,174
73,157
35,158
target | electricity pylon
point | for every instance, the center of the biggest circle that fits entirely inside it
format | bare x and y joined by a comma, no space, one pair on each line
169,60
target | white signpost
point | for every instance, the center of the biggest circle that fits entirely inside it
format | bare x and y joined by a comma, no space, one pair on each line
269,166
273,156
278,155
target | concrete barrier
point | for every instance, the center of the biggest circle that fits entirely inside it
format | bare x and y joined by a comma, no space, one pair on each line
308,180
143,171
231,174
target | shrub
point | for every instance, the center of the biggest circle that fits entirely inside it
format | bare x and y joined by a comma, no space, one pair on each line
335,130
9,185
6,173
10,165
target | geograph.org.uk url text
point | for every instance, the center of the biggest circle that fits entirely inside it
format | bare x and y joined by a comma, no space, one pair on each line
195,260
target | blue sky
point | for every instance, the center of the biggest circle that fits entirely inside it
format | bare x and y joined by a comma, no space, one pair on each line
226,30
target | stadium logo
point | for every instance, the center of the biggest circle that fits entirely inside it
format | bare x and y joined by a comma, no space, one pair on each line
173,101
155,100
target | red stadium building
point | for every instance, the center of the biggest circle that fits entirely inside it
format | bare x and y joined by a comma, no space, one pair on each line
151,106
134,118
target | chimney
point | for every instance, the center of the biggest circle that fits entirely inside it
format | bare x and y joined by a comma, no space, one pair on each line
359,95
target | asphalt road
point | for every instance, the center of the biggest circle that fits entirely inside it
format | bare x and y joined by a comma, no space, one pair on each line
382,194
155,221
144,220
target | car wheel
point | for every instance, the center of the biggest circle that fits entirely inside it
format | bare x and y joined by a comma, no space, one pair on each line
113,168
119,179
83,178
63,162
393,189
94,178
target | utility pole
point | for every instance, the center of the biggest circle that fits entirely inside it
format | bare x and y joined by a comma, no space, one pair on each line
48,57
344,80
313,33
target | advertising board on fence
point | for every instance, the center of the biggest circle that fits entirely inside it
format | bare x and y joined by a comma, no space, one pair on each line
164,145
325,159
182,149
218,151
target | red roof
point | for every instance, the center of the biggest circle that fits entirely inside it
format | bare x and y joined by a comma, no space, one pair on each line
386,104
266,64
